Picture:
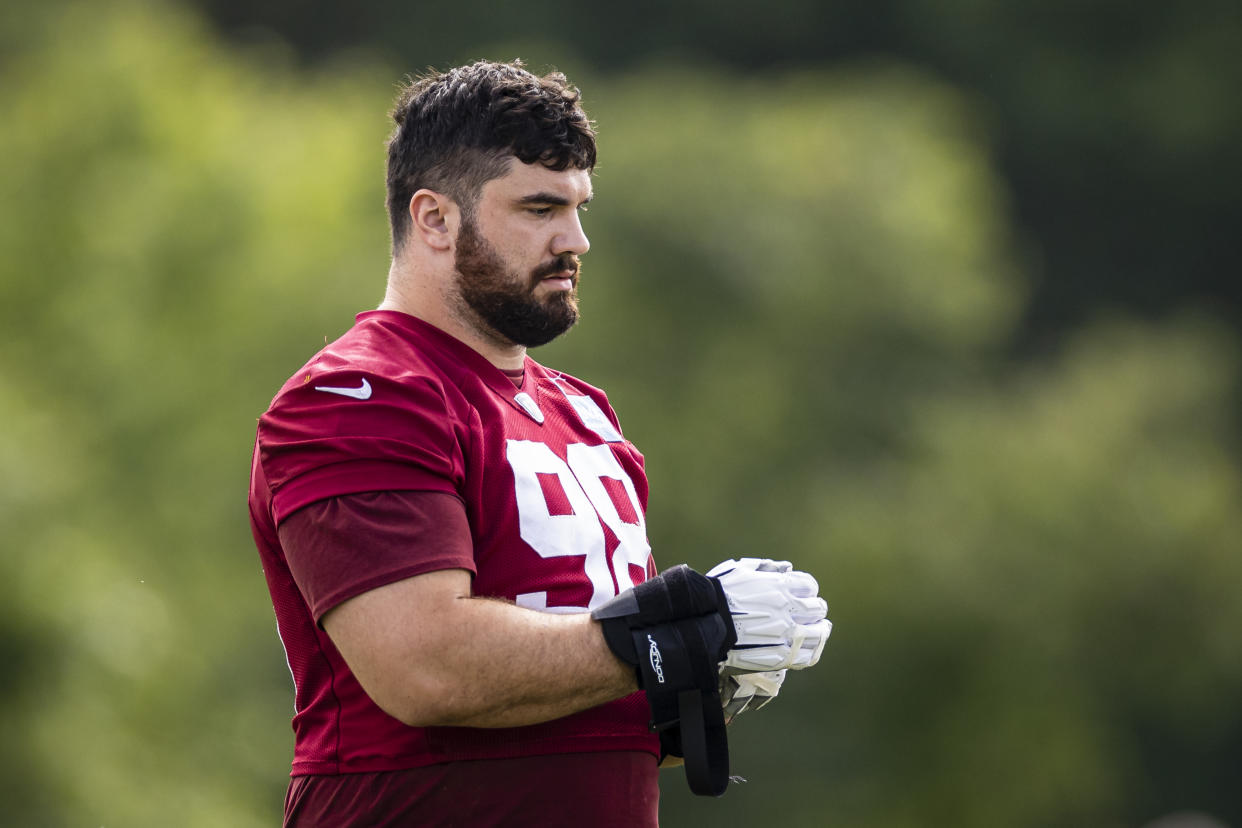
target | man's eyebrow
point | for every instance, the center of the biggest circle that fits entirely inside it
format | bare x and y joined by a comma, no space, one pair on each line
550,198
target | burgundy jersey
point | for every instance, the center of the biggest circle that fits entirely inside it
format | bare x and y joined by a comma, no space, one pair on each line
554,498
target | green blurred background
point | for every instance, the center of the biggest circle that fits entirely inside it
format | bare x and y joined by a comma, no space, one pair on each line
939,300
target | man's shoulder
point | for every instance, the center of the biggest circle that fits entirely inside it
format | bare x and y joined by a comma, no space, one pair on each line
389,345
378,350
374,379
372,410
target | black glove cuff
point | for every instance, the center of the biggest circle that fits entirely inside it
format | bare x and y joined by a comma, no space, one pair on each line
675,629
673,595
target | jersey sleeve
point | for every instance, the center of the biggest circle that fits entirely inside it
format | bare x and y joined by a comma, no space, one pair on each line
317,442
345,546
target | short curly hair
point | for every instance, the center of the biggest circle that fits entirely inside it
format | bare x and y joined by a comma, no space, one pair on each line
457,129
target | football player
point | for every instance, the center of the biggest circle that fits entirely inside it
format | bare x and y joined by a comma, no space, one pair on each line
453,535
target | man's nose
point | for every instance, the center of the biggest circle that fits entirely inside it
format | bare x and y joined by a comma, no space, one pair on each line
572,238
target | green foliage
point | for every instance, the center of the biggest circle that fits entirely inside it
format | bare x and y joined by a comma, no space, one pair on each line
796,297
1116,125
1061,548
181,225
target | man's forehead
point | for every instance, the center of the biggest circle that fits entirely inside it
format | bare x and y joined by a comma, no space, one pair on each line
522,180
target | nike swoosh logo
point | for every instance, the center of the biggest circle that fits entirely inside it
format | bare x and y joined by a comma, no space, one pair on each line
362,392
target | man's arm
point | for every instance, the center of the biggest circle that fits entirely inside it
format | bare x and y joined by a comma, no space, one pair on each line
428,653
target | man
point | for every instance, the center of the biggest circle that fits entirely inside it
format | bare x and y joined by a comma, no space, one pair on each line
452,534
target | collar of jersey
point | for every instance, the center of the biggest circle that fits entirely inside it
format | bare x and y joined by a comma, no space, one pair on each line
473,361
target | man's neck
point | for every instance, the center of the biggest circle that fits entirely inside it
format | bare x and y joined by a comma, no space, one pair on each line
426,299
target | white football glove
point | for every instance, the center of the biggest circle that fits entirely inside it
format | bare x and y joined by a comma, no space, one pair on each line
748,691
781,621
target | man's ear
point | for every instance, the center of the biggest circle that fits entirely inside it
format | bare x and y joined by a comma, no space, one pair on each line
435,219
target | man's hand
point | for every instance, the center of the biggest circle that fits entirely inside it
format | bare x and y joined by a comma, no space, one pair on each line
691,637
781,621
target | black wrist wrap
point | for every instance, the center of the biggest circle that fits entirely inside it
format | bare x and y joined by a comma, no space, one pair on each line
675,629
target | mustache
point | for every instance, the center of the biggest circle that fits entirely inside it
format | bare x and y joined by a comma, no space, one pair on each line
563,262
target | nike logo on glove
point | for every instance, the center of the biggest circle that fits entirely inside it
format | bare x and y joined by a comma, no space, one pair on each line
362,392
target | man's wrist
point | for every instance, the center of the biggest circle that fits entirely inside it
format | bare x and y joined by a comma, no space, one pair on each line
624,676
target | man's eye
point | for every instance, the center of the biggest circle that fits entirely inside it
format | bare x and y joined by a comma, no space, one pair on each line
540,211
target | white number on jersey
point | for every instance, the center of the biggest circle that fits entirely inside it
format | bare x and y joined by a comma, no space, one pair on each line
581,531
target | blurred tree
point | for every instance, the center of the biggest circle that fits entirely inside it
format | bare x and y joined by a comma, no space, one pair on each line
798,297
1115,123
177,219
1045,586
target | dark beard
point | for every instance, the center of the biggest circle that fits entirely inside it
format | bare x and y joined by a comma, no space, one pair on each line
504,301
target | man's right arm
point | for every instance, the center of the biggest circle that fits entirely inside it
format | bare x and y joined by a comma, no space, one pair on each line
386,574
429,653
